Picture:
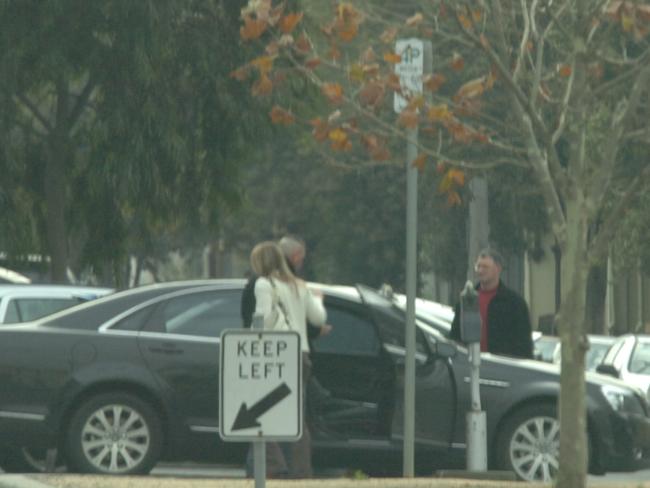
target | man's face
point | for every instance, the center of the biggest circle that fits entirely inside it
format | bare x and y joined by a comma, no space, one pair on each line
487,271
297,259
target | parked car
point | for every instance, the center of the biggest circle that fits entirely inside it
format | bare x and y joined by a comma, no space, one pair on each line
432,313
132,378
629,359
549,349
23,303
544,347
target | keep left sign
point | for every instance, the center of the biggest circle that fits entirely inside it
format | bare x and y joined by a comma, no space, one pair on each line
260,387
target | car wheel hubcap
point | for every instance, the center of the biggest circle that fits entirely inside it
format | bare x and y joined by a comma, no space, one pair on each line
115,438
534,449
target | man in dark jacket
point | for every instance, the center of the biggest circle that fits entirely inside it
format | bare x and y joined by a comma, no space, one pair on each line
505,321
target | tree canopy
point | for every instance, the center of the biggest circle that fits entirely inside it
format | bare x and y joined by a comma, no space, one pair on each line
119,125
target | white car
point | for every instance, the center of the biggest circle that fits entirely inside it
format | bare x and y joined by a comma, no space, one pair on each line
22,303
629,360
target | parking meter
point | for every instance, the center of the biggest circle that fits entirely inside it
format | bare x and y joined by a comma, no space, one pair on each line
470,317
470,334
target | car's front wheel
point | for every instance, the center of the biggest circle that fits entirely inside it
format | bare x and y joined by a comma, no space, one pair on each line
114,433
529,444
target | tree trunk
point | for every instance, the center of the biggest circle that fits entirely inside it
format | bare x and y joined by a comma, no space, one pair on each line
596,296
572,403
55,192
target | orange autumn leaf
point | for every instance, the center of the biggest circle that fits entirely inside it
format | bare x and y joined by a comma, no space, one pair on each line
339,140
312,63
477,15
414,20
333,91
457,176
288,22
347,22
303,45
264,64
263,86
457,62
321,129
408,119
388,36
252,28
347,32
438,113
465,21
433,82
420,162
393,82
392,58
375,147
281,116
372,93
416,102
564,70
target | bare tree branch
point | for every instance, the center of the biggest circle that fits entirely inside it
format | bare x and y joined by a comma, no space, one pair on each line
614,219
620,121
525,38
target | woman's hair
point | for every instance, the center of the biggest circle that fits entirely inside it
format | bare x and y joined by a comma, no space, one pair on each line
268,260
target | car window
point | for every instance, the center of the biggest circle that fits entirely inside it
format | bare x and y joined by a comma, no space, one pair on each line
393,332
200,314
134,321
352,334
640,359
595,355
24,309
613,352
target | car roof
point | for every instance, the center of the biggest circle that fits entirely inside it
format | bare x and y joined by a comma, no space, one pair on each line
52,290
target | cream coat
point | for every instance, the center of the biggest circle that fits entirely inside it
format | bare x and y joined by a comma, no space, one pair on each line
300,304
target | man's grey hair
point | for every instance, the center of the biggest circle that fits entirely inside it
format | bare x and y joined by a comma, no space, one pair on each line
490,252
291,244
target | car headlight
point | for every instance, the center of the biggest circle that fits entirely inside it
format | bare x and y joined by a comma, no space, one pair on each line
615,396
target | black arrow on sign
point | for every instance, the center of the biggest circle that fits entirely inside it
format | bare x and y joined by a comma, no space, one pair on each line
247,418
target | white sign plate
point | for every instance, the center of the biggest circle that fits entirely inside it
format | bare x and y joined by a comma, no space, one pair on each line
260,387
409,70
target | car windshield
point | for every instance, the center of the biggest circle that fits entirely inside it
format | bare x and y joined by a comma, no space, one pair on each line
640,360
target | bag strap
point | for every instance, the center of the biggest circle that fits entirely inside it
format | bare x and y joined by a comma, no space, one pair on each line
283,310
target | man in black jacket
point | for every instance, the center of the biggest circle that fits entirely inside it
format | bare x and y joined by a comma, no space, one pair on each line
505,321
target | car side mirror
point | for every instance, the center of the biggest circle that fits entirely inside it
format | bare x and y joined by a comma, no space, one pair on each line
445,349
607,369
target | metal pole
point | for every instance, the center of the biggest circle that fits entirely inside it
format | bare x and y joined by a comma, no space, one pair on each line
259,447
411,254
476,420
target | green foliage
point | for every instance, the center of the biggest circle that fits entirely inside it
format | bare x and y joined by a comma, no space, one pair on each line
146,120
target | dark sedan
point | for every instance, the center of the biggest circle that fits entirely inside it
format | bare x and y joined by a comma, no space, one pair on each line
121,383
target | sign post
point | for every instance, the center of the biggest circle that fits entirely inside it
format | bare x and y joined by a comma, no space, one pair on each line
260,390
415,57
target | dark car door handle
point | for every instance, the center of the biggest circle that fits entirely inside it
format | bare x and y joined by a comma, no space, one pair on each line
166,349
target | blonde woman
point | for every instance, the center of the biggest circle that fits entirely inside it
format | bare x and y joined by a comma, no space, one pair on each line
286,303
